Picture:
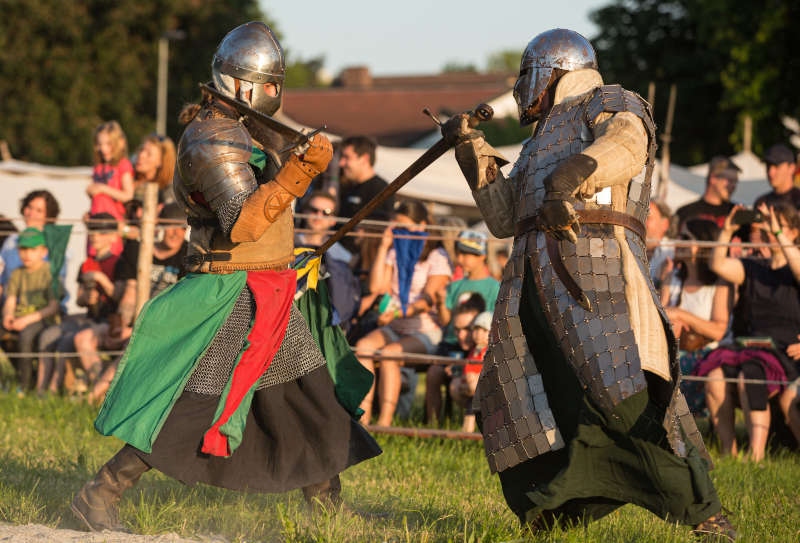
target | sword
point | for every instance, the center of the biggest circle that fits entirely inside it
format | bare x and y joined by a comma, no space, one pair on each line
483,112
260,122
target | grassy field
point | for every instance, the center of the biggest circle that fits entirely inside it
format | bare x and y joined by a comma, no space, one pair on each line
431,490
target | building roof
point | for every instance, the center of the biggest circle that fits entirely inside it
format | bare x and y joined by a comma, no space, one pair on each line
390,108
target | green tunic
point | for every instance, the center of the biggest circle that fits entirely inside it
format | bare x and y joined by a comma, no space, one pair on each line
609,459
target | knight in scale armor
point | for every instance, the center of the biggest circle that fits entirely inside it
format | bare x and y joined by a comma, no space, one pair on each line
578,399
225,380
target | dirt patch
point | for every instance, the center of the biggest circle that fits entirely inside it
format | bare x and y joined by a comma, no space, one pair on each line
37,533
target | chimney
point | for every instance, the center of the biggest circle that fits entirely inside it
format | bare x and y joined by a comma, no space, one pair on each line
355,77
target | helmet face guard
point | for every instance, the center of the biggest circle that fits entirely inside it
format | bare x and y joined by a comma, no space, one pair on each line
251,54
555,49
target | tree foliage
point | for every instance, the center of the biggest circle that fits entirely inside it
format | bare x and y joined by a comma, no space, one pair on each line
67,66
506,60
727,58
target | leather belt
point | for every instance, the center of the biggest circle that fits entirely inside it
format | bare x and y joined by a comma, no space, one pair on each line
586,216
589,216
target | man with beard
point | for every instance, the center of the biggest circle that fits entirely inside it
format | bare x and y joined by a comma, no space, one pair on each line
222,381
578,398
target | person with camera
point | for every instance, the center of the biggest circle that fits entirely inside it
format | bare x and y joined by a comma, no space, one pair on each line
766,321
721,181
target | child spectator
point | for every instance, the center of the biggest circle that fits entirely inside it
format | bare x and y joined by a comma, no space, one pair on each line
411,271
30,299
112,177
462,387
471,250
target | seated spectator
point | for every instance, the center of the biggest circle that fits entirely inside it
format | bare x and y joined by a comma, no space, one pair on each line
410,271
766,320
31,301
721,181
660,256
697,303
38,208
166,268
155,163
781,165
501,259
462,387
439,376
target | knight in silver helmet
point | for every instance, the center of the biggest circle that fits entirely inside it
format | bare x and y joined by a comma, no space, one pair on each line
228,344
581,374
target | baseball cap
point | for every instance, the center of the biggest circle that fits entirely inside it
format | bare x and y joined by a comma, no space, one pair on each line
722,166
31,237
102,221
483,320
778,154
472,242
172,212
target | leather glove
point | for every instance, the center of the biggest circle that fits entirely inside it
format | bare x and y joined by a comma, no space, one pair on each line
456,129
298,171
558,218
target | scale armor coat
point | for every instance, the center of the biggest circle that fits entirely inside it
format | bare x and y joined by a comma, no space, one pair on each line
600,344
214,180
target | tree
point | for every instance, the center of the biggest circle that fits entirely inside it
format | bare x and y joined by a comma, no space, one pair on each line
454,66
727,58
504,61
67,66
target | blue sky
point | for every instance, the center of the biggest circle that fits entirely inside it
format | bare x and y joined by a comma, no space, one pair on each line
418,36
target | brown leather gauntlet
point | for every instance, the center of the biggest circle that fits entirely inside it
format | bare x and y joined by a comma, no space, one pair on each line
260,210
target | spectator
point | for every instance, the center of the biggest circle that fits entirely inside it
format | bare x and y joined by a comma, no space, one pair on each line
31,301
166,269
471,248
697,303
112,177
765,322
409,323
439,376
359,185
781,165
660,256
38,208
721,181
155,163
321,206
462,387
501,259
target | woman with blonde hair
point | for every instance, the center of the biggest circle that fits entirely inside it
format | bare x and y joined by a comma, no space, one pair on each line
155,163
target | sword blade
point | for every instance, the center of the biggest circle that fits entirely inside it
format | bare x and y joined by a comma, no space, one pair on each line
428,157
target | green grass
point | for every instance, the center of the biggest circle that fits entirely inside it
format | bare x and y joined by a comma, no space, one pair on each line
431,490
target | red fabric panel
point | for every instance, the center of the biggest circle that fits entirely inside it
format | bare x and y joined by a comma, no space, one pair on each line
273,292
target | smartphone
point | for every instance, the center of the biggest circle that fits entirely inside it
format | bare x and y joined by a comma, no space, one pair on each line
747,216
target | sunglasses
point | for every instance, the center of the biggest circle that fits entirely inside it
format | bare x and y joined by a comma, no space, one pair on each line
319,211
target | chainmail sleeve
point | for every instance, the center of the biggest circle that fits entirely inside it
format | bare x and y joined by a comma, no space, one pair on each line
228,212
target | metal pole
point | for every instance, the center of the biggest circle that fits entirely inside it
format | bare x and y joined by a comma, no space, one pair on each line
666,138
148,229
748,134
163,61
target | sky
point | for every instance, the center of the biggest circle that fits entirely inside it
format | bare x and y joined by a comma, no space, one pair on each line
418,36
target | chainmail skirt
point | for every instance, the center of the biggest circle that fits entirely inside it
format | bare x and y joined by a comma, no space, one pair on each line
296,433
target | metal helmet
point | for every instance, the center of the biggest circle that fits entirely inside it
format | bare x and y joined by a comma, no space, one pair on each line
251,54
555,49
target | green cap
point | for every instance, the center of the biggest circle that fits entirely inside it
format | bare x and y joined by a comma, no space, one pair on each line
31,237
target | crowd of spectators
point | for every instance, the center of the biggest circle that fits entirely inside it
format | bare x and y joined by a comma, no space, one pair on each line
409,289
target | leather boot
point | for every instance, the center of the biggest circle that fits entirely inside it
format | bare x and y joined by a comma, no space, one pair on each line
97,504
324,494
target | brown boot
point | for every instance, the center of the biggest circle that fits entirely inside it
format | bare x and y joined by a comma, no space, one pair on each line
716,528
97,502
324,494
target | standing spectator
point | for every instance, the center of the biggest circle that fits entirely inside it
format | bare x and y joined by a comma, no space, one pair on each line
359,185
501,259
38,208
660,256
721,181
765,322
462,387
166,268
781,165
439,376
112,176
697,303
409,324
471,250
31,302
155,163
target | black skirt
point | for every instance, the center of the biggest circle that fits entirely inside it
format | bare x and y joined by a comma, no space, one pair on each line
296,435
